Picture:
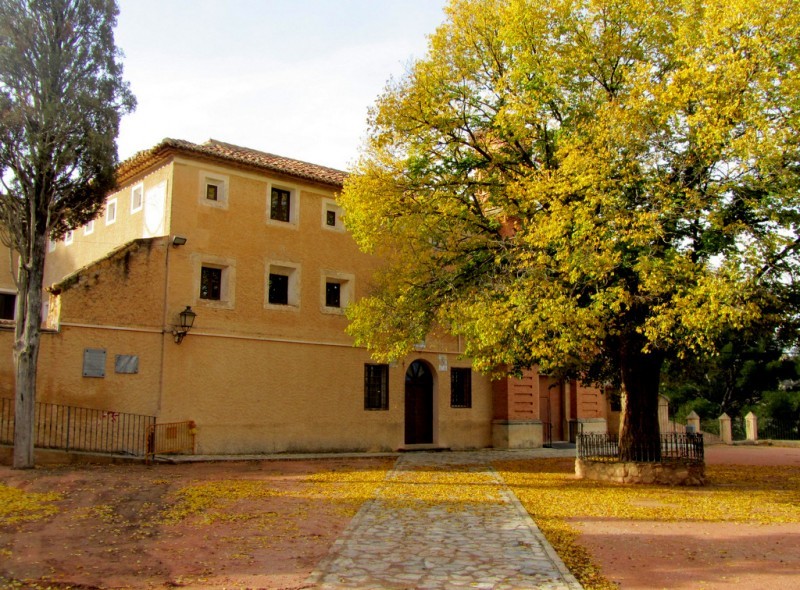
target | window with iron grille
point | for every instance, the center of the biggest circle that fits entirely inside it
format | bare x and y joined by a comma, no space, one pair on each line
280,204
460,388
210,283
376,387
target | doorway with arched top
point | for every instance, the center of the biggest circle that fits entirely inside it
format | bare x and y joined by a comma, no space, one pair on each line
419,404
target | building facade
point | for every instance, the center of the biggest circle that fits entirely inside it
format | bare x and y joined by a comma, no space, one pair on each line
255,245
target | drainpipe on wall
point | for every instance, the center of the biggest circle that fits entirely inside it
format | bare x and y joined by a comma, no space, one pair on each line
164,324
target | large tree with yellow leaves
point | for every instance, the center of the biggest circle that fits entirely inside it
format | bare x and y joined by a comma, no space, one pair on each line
591,186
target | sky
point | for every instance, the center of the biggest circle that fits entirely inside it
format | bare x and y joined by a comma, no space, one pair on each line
290,77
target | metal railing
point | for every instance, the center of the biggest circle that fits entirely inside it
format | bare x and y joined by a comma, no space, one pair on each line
72,428
547,435
171,437
674,447
575,428
779,430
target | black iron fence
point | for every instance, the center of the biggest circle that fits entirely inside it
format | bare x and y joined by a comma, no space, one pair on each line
547,435
71,428
779,430
574,429
674,447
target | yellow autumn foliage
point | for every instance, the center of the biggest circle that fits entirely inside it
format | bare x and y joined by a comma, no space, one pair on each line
20,506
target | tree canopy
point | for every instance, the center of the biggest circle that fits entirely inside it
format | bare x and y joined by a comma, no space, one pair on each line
590,186
61,99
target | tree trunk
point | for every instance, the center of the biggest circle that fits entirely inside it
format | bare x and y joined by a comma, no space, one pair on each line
26,353
640,437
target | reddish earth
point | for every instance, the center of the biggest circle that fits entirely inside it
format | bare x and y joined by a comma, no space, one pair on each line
108,534
709,555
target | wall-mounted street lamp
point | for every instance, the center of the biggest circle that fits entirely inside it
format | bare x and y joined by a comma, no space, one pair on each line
178,241
187,317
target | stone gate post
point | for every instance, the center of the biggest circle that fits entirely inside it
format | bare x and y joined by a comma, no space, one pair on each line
751,426
693,422
725,429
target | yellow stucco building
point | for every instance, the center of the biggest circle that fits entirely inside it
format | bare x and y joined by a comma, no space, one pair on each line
255,245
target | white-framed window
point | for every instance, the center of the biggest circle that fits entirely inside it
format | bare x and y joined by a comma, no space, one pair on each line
214,189
111,211
282,285
69,237
336,291
332,216
283,205
88,229
137,197
215,281
51,245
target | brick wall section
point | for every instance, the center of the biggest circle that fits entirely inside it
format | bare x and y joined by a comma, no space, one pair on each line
517,398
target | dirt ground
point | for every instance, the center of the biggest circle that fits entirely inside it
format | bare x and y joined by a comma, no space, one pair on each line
111,532
707,556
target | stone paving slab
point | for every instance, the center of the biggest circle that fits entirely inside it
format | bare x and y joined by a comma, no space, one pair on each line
490,545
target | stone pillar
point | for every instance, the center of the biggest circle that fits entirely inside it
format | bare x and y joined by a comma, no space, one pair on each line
663,414
693,422
725,429
751,426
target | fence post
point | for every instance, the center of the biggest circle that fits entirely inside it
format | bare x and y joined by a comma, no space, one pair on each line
69,415
725,429
693,422
751,426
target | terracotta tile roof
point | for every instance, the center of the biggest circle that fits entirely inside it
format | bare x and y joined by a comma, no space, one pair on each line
231,154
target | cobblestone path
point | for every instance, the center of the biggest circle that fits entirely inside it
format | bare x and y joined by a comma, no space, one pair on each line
442,521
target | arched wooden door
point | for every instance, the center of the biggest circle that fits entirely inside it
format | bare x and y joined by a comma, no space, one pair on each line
419,404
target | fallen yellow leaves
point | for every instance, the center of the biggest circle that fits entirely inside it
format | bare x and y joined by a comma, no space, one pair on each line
18,506
549,491
458,486
347,488
212,501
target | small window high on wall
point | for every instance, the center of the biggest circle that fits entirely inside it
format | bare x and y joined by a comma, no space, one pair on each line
280,205
210,283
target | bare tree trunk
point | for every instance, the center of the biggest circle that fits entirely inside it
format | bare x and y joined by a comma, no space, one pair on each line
640,437
26,353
